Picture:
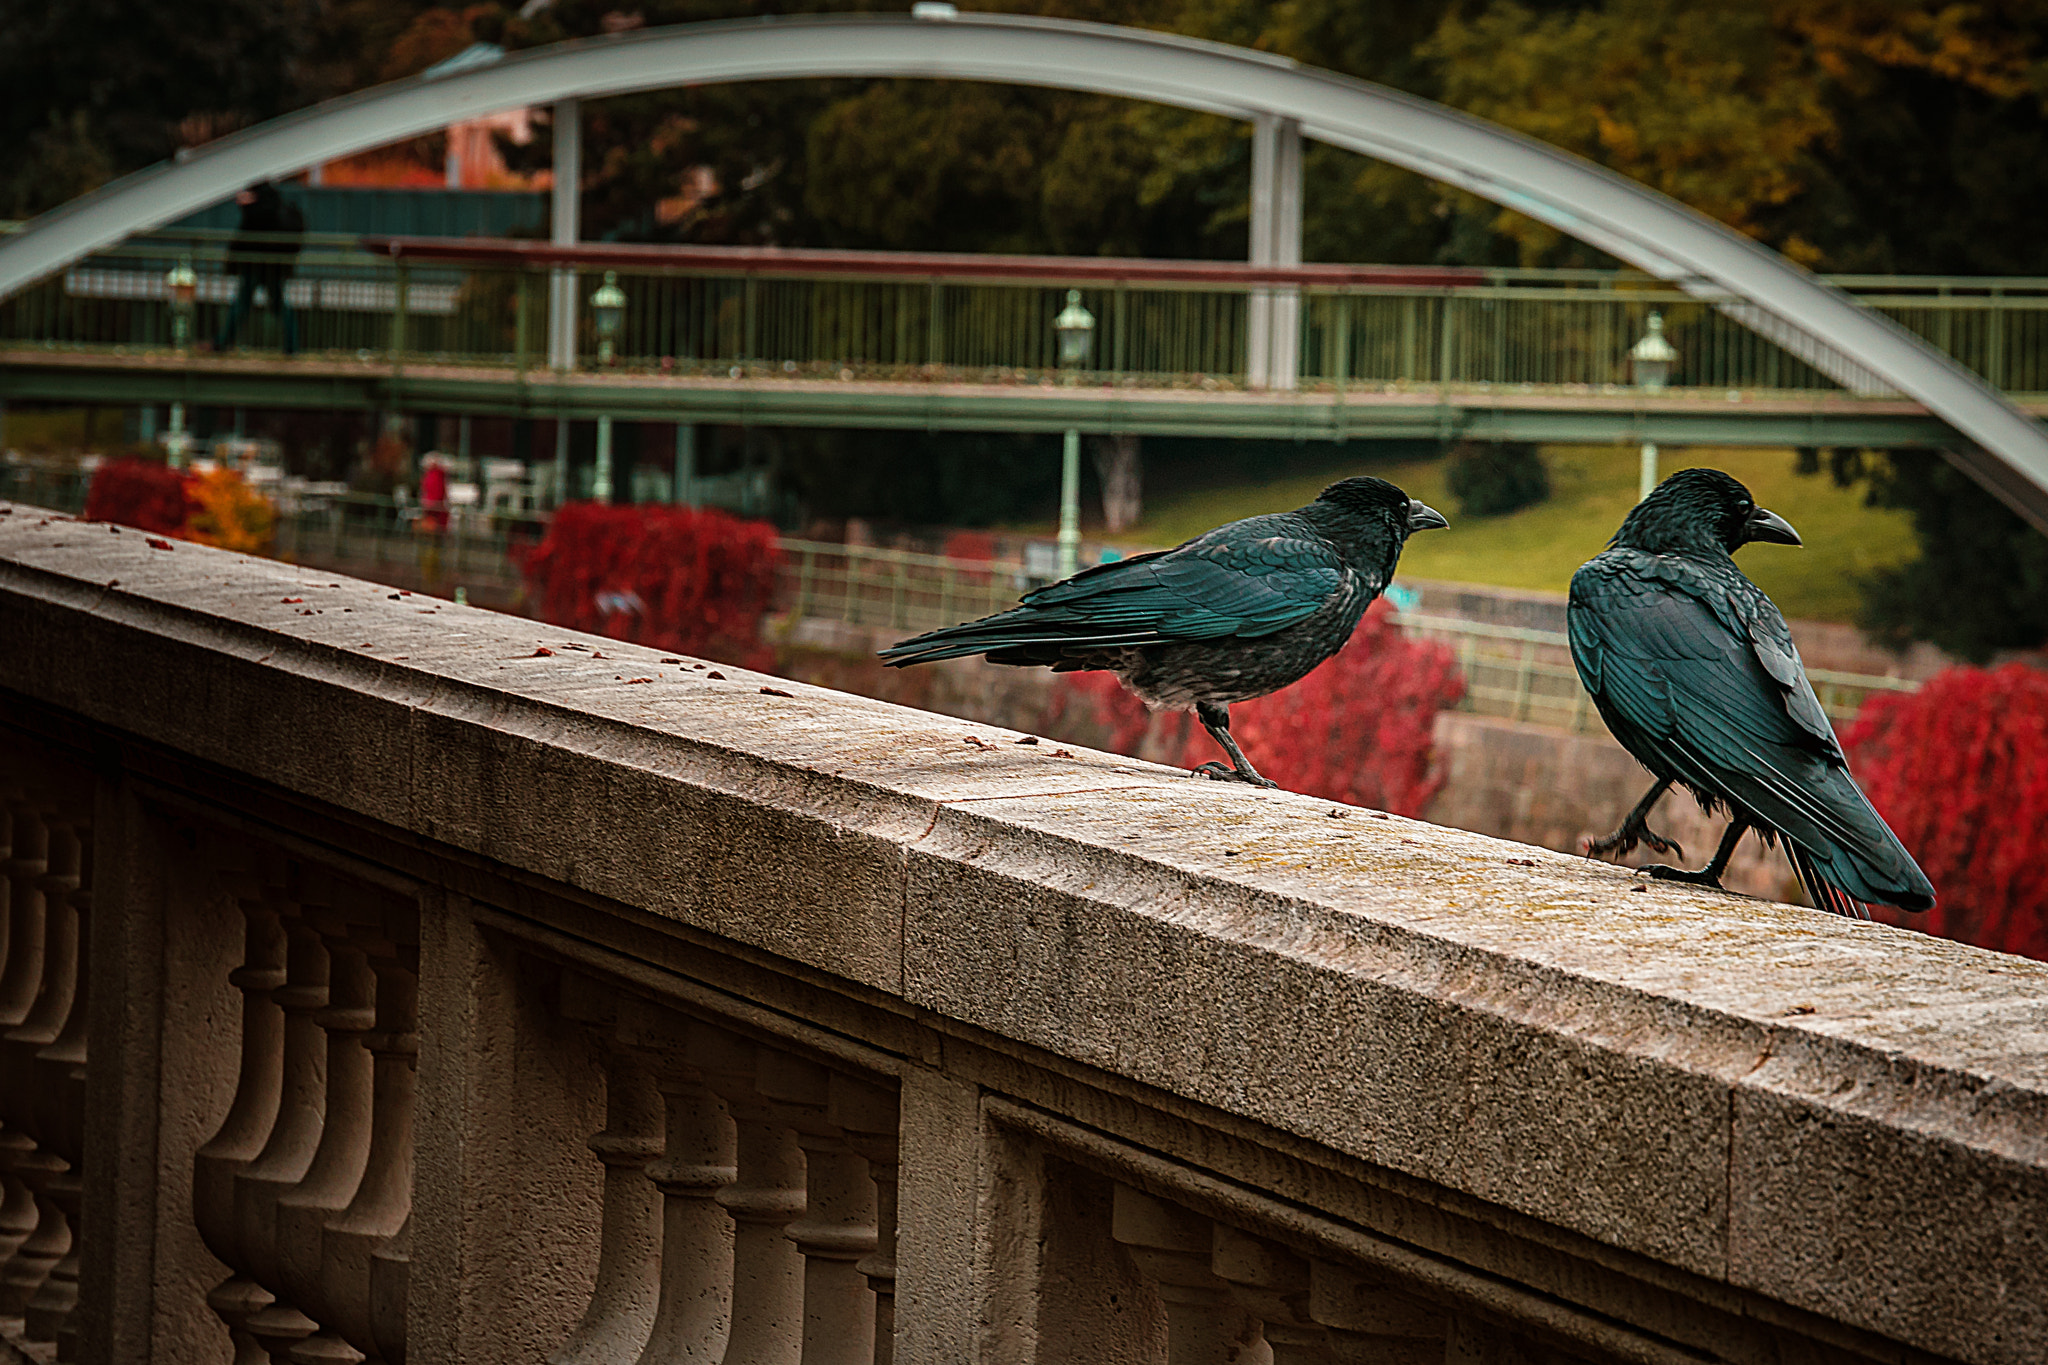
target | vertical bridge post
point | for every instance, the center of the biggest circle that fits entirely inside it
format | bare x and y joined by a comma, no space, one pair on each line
1272,326
566,226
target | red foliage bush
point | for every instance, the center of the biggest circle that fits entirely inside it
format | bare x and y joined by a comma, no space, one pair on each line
697,581
1359,729
1960,771
141,493
969,545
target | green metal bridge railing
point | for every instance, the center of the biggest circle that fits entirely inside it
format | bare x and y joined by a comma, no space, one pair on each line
1566,330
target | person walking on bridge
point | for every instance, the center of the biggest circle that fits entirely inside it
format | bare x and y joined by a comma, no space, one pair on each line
261,256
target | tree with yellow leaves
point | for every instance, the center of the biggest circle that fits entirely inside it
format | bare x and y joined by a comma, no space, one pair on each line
228,513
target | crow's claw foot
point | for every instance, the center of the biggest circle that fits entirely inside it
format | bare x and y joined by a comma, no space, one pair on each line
1679,874
1220,772
1623,842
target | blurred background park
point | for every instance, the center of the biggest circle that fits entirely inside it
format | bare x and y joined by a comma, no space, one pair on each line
1898,146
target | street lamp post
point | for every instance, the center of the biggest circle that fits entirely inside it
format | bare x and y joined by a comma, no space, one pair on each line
177,441
183,287
1075,327
1651,359
601,484
607,312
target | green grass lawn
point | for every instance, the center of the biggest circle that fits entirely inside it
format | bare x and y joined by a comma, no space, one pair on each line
1592,488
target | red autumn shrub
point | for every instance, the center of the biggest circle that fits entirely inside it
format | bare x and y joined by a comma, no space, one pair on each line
141,493
696,581
1359,729
214,508
1960,771
969,545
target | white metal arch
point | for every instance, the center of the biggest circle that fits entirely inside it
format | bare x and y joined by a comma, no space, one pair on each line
1629,221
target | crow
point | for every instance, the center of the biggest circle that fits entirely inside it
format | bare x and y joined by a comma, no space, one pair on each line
1694,670
1235,613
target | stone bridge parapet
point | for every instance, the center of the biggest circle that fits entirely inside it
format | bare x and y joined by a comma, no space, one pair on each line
390,979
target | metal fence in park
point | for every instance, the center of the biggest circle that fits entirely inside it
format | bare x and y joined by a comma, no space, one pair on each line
790,316
1510,672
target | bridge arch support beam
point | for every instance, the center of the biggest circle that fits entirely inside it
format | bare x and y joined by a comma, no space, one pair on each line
1998,443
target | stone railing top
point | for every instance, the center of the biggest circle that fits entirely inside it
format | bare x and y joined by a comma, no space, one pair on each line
1848,1117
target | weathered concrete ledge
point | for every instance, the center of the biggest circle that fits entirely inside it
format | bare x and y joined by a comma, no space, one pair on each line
1849,1119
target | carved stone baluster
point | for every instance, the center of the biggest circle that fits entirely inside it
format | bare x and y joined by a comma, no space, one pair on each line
838,1225
28,847
1171,1247
693,1319
383,1199
288,1151
331,1181
1272,1284
251,1114
620,1315
325,1347
49,1171
768,1270
21,979
17,1203
1371,1324
60,1093
868,1115
43,1248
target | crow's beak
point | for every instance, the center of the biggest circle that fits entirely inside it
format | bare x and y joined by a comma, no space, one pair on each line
1764,525
1423,517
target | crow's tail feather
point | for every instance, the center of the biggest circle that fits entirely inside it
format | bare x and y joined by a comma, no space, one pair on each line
1035,636
1823,895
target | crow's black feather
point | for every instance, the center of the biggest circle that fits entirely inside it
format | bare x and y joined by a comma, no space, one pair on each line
1694,670
1235,613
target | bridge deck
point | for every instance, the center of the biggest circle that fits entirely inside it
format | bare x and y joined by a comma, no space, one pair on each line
1574,412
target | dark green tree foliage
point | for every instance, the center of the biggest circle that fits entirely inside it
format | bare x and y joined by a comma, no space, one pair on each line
96,88
923,478
1912,140
1493,478
1981,582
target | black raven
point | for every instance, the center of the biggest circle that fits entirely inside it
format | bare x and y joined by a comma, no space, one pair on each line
1233,614
1694,671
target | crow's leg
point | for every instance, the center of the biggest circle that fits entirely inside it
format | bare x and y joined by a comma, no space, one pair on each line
1635,830
1710,875
1216,720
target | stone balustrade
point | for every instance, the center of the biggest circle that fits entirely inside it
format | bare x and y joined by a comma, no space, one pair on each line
384,980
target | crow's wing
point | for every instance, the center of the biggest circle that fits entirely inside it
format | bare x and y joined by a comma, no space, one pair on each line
1695,672
1268,574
